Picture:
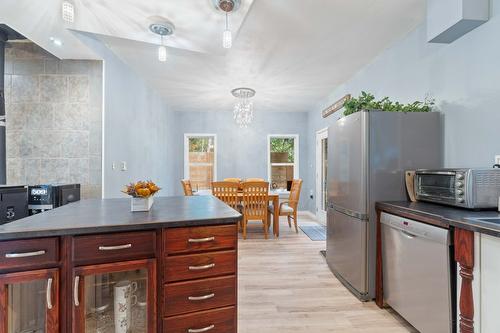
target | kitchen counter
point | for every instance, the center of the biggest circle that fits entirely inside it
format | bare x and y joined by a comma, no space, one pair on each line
114,215
444,215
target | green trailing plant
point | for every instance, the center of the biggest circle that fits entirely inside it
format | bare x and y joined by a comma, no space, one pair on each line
366,101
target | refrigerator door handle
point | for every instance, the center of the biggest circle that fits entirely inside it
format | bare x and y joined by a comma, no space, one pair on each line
364,217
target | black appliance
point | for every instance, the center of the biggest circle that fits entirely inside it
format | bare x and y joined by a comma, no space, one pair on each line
13,203
46,197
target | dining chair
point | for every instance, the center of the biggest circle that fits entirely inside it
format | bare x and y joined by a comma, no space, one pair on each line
255,202
232,180
289,208
228,193
255,180
186,186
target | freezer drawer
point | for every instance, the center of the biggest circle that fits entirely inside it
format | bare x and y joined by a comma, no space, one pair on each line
416,268
346,250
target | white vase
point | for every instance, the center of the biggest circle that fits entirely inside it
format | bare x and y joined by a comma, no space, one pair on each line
141,204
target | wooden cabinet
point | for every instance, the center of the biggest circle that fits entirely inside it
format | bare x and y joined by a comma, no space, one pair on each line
103,248
28,254
200,284
221,320
116,297
164,280
199,239
29,301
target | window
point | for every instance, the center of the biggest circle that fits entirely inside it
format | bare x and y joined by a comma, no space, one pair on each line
283,157
200,162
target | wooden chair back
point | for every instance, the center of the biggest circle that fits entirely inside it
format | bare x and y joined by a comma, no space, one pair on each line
255,200
255,180
227,192
186,186
232,180
293,199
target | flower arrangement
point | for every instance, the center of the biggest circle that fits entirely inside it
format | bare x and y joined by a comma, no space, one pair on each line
141,189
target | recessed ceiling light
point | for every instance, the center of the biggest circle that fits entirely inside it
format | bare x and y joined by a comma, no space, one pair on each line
56,41
68,11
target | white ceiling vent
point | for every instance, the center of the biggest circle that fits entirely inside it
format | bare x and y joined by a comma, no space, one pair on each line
448,20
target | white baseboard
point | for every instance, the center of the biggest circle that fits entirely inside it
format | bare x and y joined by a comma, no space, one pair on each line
307,213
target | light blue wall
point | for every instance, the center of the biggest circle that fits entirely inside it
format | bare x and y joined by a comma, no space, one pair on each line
240,152
463,77
137,126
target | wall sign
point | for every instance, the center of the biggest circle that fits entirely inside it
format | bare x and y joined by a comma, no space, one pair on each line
335,106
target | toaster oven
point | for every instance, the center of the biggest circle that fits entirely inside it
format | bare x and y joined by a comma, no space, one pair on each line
467,188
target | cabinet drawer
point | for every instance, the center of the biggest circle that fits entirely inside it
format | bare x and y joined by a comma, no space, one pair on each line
21,254
195,239
212,321
184,297
194,266
114,247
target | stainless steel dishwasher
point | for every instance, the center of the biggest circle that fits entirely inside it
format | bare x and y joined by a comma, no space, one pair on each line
418,274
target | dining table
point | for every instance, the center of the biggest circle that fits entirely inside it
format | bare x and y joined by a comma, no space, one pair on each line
274,197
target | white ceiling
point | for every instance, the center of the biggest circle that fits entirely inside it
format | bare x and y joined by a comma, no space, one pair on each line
292,52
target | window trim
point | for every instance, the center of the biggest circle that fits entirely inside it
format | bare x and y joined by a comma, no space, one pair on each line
296,145
186,152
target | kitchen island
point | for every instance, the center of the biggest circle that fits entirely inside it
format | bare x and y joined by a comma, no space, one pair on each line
94,266
476,246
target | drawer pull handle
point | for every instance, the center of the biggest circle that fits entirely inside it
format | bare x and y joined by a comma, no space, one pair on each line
116,247
201,298
200,268
201,330
25,254
75,291
48,294
201,240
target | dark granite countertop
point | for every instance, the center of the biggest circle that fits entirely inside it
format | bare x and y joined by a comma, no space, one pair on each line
447,215
114,215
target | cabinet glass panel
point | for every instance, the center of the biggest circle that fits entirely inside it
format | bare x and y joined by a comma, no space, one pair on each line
27,307
116,302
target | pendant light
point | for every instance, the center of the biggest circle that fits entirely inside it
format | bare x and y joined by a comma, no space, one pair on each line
68,11
227,6
227,38
162,29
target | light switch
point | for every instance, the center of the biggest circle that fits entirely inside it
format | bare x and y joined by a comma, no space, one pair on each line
113,166
123,166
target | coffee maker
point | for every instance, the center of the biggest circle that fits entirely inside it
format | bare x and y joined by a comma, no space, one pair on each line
47,197
13,203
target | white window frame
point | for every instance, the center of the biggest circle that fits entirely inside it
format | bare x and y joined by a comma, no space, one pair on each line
186,152
321,134
296,146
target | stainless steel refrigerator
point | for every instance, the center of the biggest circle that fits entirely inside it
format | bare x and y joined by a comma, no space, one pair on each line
368,153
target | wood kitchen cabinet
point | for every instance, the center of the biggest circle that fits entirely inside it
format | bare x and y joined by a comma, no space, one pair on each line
115,297
29,301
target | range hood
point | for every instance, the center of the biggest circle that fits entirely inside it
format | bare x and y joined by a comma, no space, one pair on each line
448,20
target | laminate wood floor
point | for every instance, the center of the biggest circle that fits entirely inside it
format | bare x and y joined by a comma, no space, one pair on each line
285,285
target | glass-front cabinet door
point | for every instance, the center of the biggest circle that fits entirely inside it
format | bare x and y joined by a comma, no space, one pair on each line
115,298
29,302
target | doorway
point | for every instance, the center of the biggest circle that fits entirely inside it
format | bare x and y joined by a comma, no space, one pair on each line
321,174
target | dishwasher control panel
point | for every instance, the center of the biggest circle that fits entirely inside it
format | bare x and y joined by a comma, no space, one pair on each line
414,228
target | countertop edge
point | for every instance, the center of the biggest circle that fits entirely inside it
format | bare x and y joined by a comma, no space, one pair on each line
465,222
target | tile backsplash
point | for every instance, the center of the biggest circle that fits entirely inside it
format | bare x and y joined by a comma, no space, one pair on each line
54,119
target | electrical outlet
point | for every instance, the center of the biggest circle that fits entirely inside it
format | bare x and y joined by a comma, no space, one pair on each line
497,159
123,166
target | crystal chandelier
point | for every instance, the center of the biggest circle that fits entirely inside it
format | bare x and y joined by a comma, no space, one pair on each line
243,109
